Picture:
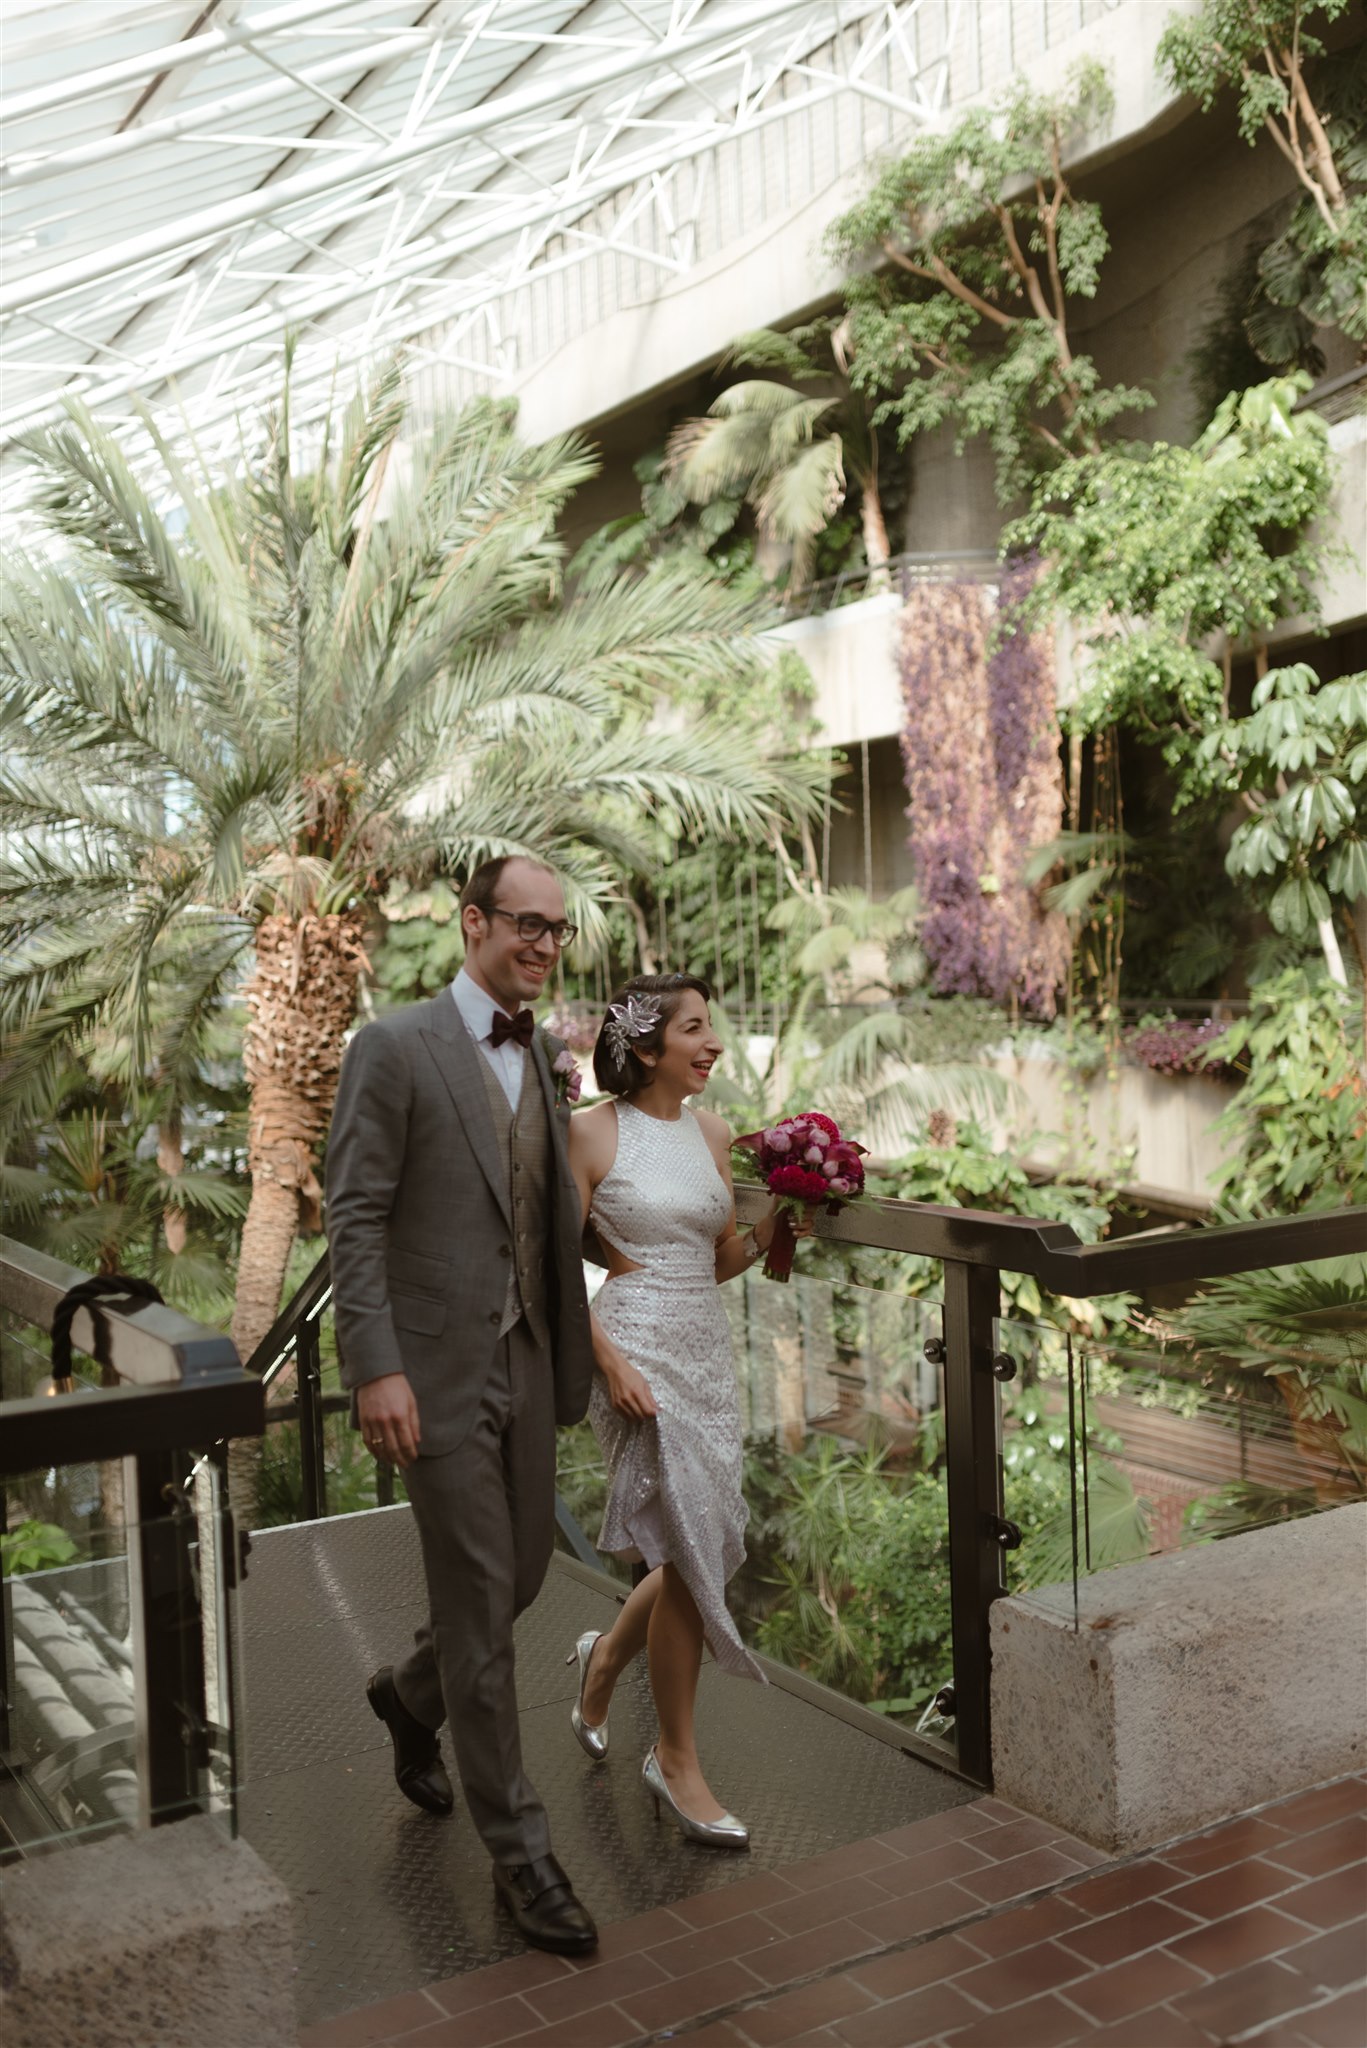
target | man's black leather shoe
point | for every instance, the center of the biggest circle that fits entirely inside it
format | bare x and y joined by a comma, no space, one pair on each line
541,1900
418,1768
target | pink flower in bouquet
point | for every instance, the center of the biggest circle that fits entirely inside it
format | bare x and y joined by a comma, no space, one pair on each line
803,1159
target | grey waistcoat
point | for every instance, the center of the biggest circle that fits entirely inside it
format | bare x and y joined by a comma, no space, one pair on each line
524,1148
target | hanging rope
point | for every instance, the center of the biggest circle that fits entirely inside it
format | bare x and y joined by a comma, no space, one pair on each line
759,950
716,932
740,954
826,833
868,819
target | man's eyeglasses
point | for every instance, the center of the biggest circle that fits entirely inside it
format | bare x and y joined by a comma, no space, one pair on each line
531,927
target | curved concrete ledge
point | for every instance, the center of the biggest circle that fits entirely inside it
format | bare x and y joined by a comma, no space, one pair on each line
177,1937
1193,1687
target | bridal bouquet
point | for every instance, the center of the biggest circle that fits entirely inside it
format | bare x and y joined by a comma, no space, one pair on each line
806,1160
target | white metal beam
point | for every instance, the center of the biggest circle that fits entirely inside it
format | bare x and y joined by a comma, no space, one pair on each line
202,229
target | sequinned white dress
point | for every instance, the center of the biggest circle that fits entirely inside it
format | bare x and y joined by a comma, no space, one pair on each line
675,1494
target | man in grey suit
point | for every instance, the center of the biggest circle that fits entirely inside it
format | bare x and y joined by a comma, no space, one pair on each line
463,1328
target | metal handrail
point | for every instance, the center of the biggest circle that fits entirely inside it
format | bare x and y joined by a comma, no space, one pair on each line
182,1382
975,1248
1054,1254
183,1388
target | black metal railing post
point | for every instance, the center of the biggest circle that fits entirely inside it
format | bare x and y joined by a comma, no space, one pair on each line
168,1640
309,1368
973,1478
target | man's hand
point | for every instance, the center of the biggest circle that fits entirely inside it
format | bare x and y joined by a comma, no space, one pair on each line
389,1418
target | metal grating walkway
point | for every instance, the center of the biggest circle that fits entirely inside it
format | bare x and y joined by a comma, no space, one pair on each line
388,1899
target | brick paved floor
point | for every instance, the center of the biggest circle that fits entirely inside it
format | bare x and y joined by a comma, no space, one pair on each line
979,1928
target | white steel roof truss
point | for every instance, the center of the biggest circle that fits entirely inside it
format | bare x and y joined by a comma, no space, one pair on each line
391,210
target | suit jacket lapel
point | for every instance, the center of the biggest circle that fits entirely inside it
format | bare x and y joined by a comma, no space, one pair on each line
455,1054
557,1114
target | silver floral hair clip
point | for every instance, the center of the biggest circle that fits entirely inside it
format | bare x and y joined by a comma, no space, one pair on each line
630,1019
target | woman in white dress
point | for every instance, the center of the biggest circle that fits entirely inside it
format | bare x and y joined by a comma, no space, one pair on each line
654,1177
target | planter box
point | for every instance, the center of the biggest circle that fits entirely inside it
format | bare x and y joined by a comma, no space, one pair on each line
1192,1687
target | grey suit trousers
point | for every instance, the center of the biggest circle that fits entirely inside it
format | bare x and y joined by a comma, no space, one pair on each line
486,1517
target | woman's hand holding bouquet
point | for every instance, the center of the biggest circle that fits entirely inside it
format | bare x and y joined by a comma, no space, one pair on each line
808,1164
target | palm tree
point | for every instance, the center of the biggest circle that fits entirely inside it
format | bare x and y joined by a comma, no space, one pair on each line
787,454
238,711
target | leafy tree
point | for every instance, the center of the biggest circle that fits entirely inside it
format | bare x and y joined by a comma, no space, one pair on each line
246,720
668,521
784,453
1313,107
88,1185
1299,766
983,245
1176,558
1161,550
1300,1119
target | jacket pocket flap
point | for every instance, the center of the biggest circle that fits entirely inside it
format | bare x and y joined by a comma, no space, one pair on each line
419,1269
415,1312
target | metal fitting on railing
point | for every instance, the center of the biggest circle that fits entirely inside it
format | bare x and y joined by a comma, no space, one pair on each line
1004,1366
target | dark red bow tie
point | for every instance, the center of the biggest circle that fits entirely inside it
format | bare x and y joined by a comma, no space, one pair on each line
519,1027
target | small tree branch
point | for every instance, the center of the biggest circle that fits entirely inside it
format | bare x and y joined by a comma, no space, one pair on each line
941,274
1289,145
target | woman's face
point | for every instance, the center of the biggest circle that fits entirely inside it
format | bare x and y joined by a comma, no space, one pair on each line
689,1050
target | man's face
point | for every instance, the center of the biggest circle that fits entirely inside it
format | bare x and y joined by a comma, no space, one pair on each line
511,969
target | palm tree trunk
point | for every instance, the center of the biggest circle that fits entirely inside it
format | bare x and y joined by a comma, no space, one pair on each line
301,999
171,1160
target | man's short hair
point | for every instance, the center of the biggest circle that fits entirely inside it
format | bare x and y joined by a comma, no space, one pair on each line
481,889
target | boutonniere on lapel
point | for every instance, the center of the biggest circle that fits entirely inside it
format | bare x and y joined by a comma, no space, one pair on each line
565,1074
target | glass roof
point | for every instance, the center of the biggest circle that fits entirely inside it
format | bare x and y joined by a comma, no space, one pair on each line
185,183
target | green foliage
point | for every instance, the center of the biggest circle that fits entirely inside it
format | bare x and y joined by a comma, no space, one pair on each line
1313,273
1300,763
784,453
973,1171
80,1178
1300,1119
1301,1330
34,1547
846,1041
289,703
856,1553
1159,549
986,244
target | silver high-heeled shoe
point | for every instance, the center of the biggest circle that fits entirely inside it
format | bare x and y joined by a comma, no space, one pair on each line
593,1740
726,1833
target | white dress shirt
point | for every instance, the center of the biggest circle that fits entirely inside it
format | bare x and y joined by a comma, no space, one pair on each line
479,1010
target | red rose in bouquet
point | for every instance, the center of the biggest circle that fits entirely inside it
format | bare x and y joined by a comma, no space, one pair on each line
806,1160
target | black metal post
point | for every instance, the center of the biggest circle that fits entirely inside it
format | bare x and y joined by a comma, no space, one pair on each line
168,1641
308,1365
974,1478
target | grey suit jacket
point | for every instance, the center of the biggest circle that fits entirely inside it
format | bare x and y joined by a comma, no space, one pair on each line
418,1222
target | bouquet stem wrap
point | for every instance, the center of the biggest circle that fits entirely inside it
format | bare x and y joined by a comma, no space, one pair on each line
778,1260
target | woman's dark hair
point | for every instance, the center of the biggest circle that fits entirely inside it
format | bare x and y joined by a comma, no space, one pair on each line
624,1074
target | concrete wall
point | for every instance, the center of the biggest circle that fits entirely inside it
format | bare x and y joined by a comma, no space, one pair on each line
769,268
1193,1686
